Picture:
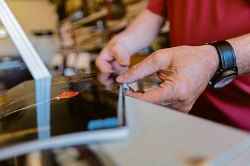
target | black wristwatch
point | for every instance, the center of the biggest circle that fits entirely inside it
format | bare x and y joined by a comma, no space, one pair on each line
227,70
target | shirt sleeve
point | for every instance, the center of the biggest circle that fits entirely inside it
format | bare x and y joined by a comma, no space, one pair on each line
158,7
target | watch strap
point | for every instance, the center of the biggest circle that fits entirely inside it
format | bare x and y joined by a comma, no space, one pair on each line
227,64
226,54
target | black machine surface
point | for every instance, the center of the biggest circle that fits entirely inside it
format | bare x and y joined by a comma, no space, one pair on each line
12,72
81,111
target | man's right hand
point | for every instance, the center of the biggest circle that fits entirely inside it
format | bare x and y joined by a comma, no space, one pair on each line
115,57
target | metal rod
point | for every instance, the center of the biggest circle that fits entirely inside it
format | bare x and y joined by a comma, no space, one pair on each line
33,61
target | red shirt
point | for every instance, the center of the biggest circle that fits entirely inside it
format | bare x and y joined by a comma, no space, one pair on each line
195,22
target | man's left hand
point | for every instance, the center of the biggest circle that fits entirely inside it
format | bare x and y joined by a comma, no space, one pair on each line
185,72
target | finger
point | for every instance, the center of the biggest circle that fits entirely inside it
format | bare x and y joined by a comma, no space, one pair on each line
103,61
181,106
121,56
147,67
106,80
119,68
161,76
155,95
122,60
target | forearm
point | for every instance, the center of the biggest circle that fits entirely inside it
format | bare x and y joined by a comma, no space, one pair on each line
241,46
141,32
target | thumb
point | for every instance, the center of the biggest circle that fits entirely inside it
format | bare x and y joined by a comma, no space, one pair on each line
147,67
119,68
121,56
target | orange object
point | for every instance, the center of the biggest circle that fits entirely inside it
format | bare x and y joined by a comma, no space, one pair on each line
67,95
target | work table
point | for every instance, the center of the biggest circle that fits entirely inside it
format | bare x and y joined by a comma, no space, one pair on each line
160,136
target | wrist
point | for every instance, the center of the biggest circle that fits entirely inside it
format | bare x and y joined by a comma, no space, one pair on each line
211,59
242,52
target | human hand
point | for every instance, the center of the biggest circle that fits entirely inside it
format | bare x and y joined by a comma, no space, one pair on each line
185,72
107,80
115,57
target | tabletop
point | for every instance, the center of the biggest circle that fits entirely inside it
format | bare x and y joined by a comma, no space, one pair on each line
160,136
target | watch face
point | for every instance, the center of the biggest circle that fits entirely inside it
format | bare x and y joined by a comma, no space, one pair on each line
225,81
